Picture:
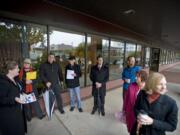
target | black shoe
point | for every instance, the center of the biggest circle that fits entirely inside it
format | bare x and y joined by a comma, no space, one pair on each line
80,110
93,111
72,109
43,115
62,111
103,113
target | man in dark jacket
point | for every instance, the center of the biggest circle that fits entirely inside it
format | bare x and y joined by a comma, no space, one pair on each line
72,74
51,75
99,75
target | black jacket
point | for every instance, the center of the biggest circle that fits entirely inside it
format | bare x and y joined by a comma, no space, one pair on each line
11,115
51,73
72,83
164,112
100,76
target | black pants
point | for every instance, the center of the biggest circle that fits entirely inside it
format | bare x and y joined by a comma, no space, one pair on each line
28,110
123,94
56,89
102,102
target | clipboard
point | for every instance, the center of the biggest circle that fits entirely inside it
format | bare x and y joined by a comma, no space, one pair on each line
31,75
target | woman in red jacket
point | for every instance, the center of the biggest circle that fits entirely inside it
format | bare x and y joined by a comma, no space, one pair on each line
28,88
130,98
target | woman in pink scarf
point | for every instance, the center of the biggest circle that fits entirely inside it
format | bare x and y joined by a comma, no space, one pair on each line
130,98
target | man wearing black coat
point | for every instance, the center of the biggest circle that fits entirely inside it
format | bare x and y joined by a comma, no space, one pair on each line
99,75
51,75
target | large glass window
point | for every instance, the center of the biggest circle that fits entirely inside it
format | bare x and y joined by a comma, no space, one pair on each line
37,43
96,46
10,42
130,50
63,44
139,55
116,59
161,57
164,56
147,56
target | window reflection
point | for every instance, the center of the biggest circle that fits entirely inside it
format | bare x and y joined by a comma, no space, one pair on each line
116,59
10,42
96,45
147,57
130,50
63,44
37,43
139,55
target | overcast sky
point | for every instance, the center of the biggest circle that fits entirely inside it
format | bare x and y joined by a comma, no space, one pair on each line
67,38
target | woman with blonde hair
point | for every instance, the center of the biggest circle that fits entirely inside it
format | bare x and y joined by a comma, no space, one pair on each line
156,112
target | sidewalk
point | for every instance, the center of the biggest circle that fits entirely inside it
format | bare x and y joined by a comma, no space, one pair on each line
75,123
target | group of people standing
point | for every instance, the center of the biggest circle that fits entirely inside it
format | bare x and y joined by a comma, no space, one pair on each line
14,112
146,108
148,111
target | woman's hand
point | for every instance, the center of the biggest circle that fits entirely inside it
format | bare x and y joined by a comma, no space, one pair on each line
144,119
19,100
28,81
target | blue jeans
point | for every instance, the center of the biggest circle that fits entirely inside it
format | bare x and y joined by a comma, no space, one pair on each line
75,92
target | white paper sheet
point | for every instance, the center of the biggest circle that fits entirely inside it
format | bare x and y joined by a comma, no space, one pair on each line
28,98
70,74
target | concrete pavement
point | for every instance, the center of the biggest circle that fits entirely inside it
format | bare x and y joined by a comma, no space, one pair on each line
75,123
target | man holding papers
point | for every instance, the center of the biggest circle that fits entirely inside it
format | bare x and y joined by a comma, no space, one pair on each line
27,76
72,74
51,75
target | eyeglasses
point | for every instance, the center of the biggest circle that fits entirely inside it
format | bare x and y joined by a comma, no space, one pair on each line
27,63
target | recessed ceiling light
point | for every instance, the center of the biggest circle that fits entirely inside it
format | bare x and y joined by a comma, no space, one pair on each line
176,42
129,12
165,35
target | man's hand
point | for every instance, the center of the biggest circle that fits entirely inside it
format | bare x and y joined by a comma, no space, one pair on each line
48,84
74,75
98,85
127,80
62,84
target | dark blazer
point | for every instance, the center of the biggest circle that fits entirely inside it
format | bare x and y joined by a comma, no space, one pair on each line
11,115
72,83
100,76
164,112
51,73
